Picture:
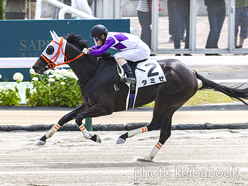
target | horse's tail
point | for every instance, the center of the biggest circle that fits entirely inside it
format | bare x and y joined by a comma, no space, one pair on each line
236,93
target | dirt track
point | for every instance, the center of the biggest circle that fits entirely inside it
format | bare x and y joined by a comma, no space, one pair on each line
32,117
206,157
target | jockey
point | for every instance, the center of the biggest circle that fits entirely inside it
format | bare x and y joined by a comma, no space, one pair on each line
130,46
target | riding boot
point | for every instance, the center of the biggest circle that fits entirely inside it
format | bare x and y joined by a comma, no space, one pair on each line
130,76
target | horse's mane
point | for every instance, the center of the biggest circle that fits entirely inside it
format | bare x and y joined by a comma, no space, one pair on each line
80,43
77,41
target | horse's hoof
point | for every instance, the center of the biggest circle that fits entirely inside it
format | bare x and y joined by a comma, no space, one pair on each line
120,141
146,159
40,143
96,138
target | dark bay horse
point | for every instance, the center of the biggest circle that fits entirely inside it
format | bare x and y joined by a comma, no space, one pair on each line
98,79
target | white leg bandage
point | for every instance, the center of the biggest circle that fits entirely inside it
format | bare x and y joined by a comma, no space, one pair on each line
137,131
154,151
86,134
54,129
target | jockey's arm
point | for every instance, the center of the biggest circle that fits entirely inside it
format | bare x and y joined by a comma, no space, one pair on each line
99,51
95,47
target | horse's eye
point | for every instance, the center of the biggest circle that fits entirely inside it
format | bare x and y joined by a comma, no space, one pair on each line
50,50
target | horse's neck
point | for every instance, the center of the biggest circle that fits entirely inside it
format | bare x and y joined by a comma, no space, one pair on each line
87,66
83,67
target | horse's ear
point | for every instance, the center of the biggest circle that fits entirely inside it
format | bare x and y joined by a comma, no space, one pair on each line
52,35
55,36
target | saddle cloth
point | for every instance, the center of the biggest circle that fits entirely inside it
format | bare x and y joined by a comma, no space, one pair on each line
147,73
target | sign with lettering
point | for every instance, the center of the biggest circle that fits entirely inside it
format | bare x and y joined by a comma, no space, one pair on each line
28,38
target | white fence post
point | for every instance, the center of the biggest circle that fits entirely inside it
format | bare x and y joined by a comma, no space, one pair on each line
38,9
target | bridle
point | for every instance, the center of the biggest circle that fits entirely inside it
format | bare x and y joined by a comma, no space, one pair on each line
55,57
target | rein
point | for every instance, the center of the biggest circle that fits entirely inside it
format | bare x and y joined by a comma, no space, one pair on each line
55,57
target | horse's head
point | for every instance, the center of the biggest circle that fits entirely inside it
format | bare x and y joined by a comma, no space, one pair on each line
52,56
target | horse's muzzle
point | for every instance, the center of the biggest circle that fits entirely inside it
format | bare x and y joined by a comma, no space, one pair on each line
39,67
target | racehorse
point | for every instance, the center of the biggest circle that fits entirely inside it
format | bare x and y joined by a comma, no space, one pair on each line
104,93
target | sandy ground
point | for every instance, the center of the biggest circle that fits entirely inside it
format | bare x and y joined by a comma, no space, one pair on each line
208,157
31,117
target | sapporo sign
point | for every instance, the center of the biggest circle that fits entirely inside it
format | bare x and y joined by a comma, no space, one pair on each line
32,48
28,38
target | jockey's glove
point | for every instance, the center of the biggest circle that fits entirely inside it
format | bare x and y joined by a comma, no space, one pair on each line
86,51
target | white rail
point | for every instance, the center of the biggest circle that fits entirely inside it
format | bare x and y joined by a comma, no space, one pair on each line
64,10
18,62
68,9
188,60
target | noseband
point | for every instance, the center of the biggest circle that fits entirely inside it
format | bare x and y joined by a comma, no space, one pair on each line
55,57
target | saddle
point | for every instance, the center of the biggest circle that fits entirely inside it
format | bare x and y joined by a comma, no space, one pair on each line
147,72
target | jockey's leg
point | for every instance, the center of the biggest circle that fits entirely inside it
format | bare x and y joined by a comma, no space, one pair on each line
121,61
130,76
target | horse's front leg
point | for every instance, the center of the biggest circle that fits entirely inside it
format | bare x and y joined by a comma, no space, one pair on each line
95,111
61,122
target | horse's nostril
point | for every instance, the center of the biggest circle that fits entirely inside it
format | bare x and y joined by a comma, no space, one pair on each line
35,67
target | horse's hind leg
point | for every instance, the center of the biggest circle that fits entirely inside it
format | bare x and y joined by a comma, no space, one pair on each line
155,124
165,133
129,134
61,122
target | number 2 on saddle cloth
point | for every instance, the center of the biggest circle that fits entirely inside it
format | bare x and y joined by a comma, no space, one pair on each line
147,73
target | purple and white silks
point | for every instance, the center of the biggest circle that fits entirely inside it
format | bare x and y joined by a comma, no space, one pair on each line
131,47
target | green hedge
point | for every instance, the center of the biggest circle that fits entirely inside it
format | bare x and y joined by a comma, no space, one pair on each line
57,88
2,10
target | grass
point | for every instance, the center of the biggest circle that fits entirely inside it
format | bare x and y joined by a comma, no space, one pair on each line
203,97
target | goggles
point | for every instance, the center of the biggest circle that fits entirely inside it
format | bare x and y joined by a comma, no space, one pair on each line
97,38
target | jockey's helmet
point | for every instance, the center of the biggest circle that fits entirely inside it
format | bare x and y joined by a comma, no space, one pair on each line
97,31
